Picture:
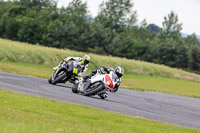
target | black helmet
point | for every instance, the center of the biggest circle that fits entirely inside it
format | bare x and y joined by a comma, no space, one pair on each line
86,59
119,71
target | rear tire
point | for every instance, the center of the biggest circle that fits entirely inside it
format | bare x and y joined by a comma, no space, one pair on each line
75,88
89,91
59,78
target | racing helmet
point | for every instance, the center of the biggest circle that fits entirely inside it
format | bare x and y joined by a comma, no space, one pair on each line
119,71
85,59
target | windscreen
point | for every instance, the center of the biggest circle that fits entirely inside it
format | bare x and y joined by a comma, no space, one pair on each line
114,76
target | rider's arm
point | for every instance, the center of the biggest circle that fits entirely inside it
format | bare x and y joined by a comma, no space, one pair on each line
84,70
72,58
77,58
68,58
115,89
105,69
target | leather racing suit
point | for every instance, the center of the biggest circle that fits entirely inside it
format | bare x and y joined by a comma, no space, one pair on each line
102,68
78,68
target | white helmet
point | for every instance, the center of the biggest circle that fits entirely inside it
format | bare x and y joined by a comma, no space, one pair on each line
119,71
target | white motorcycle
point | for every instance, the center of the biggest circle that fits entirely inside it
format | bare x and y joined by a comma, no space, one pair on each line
101,83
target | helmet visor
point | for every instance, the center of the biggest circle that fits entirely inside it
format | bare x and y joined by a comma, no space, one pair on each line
119,75
86,62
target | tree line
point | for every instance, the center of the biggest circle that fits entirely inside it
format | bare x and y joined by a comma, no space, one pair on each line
114,31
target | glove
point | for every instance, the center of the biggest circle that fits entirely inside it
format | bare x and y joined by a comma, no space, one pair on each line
102,70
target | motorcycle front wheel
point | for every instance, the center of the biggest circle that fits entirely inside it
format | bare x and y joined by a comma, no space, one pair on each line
60,76
93,90
50,80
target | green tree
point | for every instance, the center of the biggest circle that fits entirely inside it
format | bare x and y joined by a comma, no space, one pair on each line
195,54
100,38
117,14
171,29
8,25
191,40
70,29
170,54
37,4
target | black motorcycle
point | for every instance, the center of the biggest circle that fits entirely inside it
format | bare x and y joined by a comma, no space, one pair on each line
63,73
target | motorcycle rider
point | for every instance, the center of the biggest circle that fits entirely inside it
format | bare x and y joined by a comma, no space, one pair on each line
119,71
80,65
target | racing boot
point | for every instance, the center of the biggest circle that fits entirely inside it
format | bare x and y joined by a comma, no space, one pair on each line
103,95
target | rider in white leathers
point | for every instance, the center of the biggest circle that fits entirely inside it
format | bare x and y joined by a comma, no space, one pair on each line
119,71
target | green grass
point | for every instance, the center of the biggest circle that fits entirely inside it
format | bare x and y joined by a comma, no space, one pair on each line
28,114
22,113
34,70
161,84
35,54
37,61
136,82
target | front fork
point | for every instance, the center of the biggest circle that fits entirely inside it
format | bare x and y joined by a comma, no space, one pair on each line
56,69
54,74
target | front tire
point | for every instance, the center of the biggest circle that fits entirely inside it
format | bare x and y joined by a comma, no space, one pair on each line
59,78
50,80
90,91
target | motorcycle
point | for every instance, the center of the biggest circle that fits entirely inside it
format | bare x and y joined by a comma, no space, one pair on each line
62,73
101,84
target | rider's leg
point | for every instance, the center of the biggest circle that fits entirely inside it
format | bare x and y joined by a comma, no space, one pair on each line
74,79
86,86
90,75
88,81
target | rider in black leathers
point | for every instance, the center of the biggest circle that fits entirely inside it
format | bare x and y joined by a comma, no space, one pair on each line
78,67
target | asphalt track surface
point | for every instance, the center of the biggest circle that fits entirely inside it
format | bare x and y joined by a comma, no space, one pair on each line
167,108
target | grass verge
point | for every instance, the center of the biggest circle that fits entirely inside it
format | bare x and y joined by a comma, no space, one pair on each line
23,113
135,82
35,54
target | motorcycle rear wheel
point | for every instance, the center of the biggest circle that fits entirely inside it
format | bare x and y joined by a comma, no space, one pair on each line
75,88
